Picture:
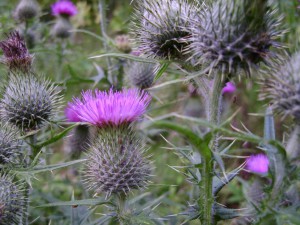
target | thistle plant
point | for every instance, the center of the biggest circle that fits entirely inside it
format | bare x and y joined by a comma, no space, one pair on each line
27,10
116,162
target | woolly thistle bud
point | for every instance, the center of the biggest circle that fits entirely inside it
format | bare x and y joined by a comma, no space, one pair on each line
116,162
234,36
160,27
10,144
141,75
282,86
16,55
26,10
62,27
12,201
28,101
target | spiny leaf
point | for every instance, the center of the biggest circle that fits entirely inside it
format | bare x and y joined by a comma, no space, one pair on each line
75,203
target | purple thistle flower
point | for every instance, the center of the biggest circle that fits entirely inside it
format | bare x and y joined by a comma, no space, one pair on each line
71,113
110,108
229,88
258,163
16,55
64,7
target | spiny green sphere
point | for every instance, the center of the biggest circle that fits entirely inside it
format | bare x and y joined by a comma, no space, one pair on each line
234,36
160,27
282,87
27,9
28,101
141,75
116,162
12,201
10,144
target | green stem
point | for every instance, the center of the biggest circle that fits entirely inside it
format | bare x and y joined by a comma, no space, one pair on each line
121,204
206,199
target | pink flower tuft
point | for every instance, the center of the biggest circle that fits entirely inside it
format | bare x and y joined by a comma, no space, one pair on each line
63,7
102,108
229,88
258,163
71,113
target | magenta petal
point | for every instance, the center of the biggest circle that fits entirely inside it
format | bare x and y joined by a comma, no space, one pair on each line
229,88
63,7
258,163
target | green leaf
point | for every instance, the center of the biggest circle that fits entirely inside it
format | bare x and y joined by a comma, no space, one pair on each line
161,70
55,138
75,203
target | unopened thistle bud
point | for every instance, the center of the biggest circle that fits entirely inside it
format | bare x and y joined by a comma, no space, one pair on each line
62,27
12,201
160,27
26,10
10,144
28,101
116,162
282,86
140,74
123,44
16,55
234,36
258,164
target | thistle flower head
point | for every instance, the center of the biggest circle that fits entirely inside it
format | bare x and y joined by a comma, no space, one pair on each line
28,101
26,10
103,108
10,144
63,8
234,36
282,86
12,201
258,163
160,27
116,162
141,75
16,55
61,28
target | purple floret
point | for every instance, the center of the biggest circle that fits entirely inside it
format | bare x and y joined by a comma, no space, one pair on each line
102,108
229,88
63,7
258,163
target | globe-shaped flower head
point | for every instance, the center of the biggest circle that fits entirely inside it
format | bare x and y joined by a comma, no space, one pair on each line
16,55
234,36
116,158
27,10
160,27
63,8
282,86
28,101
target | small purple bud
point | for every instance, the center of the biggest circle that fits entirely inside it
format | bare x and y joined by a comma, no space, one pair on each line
258,163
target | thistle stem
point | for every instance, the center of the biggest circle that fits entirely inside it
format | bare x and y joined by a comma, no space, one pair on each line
206,199
121,203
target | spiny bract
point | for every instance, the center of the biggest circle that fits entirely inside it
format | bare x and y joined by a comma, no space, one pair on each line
160,27
141,75
62,27
282,87
10,144
12,201
116,162
234,36
28,101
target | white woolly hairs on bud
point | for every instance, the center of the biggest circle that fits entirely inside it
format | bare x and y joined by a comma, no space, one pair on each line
29,101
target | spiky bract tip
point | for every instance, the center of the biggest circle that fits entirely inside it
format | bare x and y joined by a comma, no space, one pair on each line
116,162
141,75
235,36
12,200
29,101
160,27
281,85
16,55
